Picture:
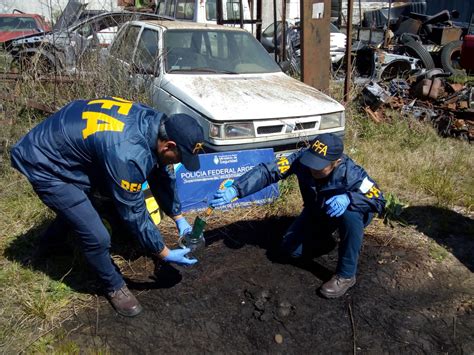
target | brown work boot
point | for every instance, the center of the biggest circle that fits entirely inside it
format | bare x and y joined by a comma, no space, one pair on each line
337,286
125,302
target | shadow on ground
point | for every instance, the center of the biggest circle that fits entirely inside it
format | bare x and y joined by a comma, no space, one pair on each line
447,228
68,265
239,299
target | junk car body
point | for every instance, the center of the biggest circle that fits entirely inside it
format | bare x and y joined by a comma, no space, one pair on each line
223,77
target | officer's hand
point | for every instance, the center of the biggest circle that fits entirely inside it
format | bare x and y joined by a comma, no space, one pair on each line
337,205
177,256
183,226
223,197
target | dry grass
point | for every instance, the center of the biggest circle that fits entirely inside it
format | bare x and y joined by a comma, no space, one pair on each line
409,159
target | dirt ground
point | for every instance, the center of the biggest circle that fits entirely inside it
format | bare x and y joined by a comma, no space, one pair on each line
240,298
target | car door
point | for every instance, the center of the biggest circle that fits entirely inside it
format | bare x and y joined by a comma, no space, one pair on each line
146,60
122,51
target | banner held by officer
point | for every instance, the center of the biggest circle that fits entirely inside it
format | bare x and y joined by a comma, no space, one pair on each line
111,145
337,195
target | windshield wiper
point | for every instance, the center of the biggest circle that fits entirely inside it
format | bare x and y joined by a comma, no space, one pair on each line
202,70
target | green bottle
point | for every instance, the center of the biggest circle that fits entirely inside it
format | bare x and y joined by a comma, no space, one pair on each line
195,240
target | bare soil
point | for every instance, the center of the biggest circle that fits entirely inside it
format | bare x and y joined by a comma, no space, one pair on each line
240,298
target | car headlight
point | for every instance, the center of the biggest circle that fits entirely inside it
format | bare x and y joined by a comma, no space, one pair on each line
331,120
232,130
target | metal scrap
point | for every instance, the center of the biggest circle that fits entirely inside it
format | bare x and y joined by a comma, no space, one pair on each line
428,97
375,96
28,103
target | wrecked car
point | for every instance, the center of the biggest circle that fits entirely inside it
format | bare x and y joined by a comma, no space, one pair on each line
223,77
378,64
337,41
63,49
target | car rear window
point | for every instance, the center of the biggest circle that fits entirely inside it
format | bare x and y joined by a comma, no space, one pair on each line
17,23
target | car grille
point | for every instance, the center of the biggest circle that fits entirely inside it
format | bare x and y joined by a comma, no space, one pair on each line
270,129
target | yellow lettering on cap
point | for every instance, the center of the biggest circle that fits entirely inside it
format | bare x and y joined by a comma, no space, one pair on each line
320,148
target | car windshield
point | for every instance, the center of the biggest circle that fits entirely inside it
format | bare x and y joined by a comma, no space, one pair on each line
17,23
215,51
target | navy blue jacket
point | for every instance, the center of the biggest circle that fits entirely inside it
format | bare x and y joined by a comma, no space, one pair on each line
108,144
347,177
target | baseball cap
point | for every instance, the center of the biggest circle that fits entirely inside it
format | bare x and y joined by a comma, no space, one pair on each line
324,149
188,135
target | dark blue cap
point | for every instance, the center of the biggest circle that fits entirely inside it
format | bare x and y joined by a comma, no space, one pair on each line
323,150
188,135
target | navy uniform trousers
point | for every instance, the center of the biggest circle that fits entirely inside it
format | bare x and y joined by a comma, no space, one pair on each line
310,226
76,213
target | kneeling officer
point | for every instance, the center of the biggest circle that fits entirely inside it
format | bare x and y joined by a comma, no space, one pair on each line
112,145
337,194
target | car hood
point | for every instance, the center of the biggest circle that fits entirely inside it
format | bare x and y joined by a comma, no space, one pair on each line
8,35
249,96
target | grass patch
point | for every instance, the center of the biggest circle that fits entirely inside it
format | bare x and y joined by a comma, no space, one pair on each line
410,160
437,252
461,79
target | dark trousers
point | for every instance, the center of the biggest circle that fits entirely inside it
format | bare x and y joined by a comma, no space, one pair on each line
310,226
75,212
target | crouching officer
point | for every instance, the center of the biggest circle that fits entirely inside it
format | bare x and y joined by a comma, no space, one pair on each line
113,145
337,194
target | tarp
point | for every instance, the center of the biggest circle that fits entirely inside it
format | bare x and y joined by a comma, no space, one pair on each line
219,170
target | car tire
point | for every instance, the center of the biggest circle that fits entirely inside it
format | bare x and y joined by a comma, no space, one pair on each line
416,50
450,57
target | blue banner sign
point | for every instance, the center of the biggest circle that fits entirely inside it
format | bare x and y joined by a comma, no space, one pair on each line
218,170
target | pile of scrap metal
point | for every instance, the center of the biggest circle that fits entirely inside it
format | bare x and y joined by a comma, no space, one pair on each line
435,40
427,96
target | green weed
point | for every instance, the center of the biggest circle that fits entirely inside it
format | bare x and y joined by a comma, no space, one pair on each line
437,252
393,210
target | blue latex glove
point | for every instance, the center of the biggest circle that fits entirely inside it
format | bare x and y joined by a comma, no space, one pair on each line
177,256
223,197
337,205
183,226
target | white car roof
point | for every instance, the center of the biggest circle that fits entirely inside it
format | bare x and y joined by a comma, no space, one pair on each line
184,25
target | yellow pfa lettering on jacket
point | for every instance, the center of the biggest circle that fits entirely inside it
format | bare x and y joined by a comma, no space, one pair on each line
374,191
124,106
283,165
100,122
320,148
131,186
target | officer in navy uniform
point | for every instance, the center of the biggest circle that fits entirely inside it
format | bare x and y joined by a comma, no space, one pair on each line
337,194
113,145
